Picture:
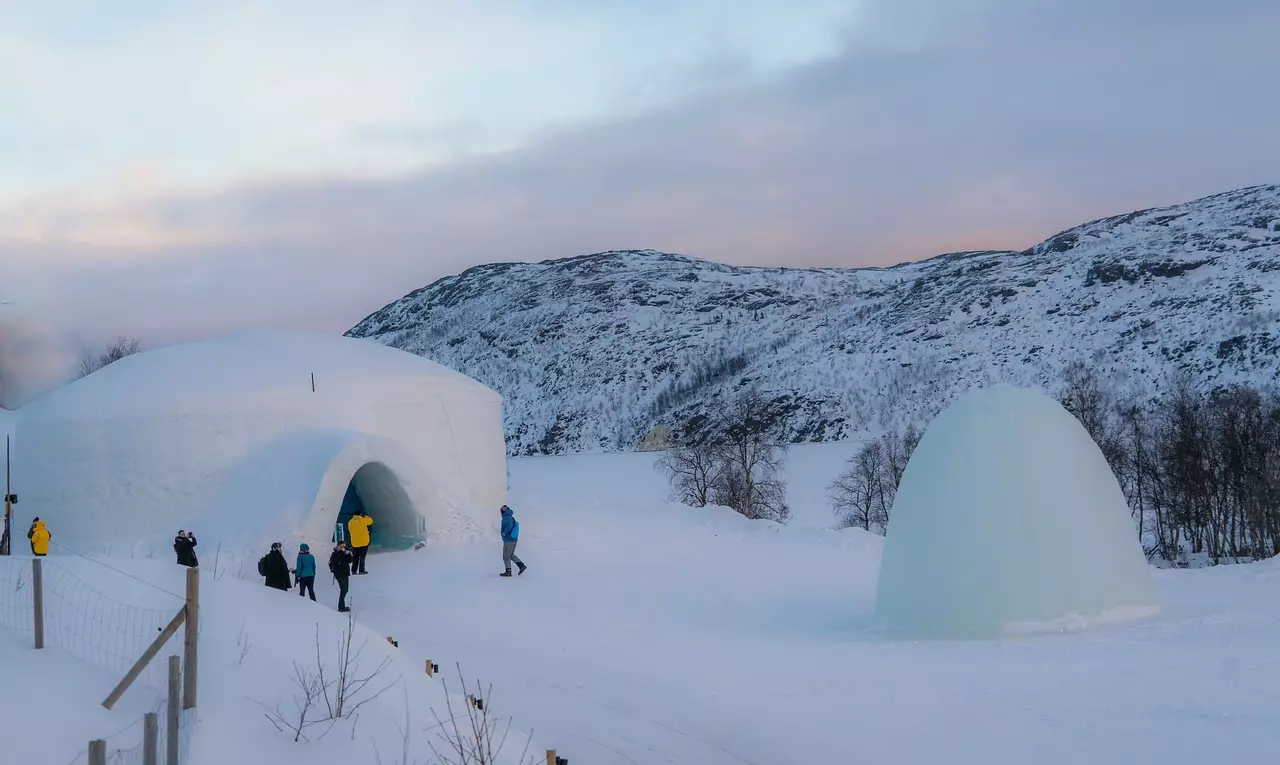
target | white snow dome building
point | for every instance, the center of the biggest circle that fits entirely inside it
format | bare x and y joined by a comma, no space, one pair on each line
263,435
1009,520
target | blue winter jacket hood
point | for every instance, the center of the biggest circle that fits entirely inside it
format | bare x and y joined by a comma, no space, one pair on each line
306,564
510,526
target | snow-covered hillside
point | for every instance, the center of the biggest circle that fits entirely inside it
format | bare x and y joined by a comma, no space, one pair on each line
590,353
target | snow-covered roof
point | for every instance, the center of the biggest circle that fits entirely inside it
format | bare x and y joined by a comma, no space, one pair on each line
242,368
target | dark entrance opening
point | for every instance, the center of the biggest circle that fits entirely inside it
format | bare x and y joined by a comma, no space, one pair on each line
397,525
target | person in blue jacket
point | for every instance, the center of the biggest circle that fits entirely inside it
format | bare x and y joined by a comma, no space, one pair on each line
510,535
305,570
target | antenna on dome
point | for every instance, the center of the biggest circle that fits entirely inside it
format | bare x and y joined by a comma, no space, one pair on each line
313,382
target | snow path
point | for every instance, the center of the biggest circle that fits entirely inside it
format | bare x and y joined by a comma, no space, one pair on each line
646,633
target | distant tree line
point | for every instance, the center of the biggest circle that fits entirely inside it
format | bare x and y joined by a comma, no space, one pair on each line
730,458
1200,470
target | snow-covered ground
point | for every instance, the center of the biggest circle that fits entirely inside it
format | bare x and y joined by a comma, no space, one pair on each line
648,632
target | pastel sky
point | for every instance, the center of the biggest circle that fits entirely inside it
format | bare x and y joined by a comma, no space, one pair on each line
176,170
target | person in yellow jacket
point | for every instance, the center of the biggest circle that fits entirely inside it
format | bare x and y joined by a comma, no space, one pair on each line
358,533
40,537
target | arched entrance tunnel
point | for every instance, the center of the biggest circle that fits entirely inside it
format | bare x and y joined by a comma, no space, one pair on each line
397,524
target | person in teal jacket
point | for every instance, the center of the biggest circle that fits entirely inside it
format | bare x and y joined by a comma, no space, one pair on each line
305,570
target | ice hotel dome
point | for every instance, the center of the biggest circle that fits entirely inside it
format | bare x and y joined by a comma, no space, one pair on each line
1009,520
263,434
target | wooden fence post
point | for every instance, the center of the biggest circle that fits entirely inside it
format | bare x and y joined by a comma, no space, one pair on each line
428,668
551,757
191,639
98,752
146,658
173,711
150,736
37,594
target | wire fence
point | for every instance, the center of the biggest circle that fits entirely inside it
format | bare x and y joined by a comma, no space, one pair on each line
126,746
81,619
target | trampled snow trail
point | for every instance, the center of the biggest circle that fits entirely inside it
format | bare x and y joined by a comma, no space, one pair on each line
647,633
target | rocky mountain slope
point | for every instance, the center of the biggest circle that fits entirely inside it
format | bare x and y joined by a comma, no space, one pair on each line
593,352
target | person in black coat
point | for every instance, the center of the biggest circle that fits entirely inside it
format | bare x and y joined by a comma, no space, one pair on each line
275,568
340,562
185,546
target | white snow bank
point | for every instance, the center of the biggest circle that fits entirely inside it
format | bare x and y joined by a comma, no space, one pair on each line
1008,519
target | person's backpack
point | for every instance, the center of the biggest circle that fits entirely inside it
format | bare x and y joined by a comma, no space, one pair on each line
515,529
262,566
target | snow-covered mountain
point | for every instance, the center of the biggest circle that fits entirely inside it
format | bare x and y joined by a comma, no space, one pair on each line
591,353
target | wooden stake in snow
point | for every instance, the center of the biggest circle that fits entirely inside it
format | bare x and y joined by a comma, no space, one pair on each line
98,752
37,594
150,738
146,658
173,710
190,639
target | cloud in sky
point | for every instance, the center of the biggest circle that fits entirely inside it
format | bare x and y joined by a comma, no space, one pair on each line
915,128
213,91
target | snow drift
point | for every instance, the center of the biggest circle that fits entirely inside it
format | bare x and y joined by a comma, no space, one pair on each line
1009,520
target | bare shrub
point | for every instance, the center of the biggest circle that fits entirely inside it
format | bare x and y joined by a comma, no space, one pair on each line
862,496
750,479
474,738
242,643
117,349
342,689
308,691
693,472
858,494
348,689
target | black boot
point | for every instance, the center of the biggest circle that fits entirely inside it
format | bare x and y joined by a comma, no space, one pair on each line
505,573
522,567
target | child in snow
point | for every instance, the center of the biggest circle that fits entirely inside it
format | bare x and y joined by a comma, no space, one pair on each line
185,546
306,571
275,568
358,531
340,566
510,535
39,536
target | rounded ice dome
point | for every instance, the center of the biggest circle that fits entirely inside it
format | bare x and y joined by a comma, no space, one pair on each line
1009,520
263,434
